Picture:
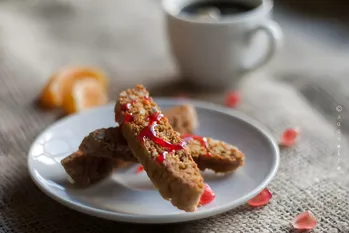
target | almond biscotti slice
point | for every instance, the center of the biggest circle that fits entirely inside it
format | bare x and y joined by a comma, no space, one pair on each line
108,148
87,170
108,143
99,154
159,149
182,118
209,153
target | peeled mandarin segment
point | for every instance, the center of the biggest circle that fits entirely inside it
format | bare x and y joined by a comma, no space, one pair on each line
89,93
60,84
85,94
50,97
80,73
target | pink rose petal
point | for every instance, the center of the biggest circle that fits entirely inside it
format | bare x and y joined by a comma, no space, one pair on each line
207,196
304,221
289,137
232,99
261,199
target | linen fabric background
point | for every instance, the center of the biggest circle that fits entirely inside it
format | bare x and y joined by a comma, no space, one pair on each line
302,87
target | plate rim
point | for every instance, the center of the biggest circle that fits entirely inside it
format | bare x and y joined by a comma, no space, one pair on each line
169,218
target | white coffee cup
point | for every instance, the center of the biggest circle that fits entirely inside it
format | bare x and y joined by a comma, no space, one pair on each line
218,52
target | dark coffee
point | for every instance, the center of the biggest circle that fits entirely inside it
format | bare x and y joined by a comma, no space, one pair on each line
224,8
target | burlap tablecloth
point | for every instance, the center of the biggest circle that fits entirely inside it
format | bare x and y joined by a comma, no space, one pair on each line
301,87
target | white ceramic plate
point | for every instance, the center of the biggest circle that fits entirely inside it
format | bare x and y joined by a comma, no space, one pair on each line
129,196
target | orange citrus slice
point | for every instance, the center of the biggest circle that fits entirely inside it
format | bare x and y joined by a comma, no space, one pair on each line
61,83
86,93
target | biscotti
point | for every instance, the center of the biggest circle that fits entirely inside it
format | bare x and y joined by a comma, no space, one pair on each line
87,170
215,155
207,152
161,151
182,118
108,143
107,148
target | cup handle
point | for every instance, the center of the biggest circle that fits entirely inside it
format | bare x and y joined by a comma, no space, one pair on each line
274,33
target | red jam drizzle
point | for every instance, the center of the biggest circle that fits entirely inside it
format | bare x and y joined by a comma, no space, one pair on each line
202,140
140,169
125,107
161,157
149,131
155,117
127,117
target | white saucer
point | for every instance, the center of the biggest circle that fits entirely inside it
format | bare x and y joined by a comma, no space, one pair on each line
129,196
